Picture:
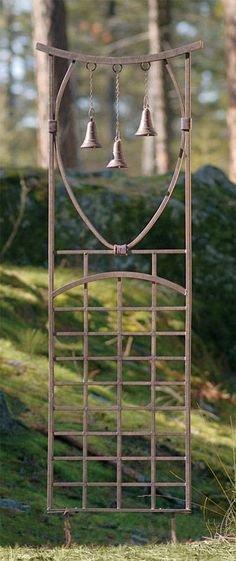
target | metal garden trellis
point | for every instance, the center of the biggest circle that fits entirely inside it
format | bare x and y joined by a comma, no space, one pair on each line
108,248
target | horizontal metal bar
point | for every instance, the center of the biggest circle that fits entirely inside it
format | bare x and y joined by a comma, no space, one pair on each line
170,433
124,383
115,433
115,333
81,57
115,357
117,408
115,458
102,383
172,383
120,308
157,510
84,408
111,252
114,484
101,433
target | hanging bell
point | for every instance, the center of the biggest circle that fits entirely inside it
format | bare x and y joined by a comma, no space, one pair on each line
146,127
118,160
91,140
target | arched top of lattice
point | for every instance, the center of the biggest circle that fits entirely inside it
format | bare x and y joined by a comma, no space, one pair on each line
121,274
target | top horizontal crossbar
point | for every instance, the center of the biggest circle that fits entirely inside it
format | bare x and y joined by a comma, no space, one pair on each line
81,57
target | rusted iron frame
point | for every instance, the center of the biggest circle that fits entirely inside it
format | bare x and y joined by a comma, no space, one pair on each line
114,433
123,333
85,386
72,511
113,484
119,407
119,394
153,385
188,273
122,274
123,308
51,235
115,357
81,57
125,383
111,252
185,125
124,458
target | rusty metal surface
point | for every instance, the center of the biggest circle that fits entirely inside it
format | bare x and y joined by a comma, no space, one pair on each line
152,487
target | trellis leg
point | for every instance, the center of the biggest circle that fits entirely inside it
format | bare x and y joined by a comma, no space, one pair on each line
173,537
67,530
51,219
85,388
119,391
188,272
153,386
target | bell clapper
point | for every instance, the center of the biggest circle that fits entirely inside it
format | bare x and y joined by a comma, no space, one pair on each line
118,160
146,127
91,139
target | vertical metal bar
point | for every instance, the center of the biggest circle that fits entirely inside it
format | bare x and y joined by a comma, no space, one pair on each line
153,385
51,219
85,387
188,241
119,391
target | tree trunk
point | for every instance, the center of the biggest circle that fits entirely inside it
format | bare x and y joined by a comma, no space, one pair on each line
49,18
155,152
9,97
110,13
165,20
230,43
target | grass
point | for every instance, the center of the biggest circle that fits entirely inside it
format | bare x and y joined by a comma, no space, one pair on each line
23,370
198,551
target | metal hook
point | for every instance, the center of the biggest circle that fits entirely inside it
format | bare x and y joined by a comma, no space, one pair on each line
117,68
91,66
145,68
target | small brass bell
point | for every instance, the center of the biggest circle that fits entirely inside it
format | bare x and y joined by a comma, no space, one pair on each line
146,127
118,160
91,140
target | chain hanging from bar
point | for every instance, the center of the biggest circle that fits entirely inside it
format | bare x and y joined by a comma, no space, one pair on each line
118,160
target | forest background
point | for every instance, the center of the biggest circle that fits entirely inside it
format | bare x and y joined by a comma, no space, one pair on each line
116,27
107,27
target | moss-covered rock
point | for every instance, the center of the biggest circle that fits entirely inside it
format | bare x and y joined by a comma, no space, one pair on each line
119,207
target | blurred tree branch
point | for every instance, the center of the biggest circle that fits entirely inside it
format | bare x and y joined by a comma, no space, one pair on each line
125,42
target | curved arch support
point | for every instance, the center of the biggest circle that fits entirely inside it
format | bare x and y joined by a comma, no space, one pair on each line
172,184
77,205
63,87
176,86
120,274
177,169
165,200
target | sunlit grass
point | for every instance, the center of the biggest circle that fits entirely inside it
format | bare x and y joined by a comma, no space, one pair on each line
202,551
